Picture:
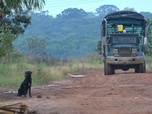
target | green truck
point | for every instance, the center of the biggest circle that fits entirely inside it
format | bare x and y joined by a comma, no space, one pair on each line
123,42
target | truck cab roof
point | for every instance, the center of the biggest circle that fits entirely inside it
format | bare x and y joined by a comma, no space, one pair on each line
125,14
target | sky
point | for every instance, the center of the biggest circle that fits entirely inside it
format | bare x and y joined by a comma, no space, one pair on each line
55,7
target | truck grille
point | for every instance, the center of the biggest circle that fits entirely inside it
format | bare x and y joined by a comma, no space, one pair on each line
125,51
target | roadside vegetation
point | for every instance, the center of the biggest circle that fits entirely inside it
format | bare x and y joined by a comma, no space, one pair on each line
148,63
12,72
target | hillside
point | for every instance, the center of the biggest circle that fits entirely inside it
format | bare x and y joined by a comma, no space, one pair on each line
73,33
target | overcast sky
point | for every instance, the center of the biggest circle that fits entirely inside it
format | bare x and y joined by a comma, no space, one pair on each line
57,6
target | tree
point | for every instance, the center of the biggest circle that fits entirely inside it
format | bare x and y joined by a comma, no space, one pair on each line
37,47
14,19
15,13
147,15
149,36
6,39
106,9
72,13
23,4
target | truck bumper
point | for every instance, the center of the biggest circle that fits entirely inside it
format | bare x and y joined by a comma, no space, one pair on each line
124,60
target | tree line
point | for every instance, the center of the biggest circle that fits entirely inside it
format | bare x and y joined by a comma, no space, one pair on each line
72,33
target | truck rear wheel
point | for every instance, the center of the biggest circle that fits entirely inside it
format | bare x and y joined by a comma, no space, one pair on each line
141,68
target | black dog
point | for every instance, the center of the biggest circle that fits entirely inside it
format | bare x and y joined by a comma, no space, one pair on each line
26,85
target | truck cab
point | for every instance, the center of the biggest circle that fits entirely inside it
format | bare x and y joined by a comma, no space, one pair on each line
123,42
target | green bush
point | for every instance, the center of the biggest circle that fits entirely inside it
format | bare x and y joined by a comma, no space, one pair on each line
148,63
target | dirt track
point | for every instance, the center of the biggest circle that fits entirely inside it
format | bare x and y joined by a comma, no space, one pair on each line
122,93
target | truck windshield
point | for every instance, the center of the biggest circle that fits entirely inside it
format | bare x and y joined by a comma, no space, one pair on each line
124,39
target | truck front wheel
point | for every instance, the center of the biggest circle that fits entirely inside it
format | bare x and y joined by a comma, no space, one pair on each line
108,69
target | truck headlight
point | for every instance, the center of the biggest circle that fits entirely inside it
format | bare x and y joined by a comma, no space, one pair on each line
115,52
134,51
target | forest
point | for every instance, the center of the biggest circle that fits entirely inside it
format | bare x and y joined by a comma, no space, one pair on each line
72,33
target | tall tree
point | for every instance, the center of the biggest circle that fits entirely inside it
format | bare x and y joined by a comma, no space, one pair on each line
106,9
15,13
14,19
149,36
72,13
26,4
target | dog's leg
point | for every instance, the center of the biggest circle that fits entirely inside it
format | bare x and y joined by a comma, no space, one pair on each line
19,92
29,90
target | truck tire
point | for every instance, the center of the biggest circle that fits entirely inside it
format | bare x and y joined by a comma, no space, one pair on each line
112,69
144,68
141,68
107,69
137,69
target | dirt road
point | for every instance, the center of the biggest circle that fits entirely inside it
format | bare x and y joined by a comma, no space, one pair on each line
122,93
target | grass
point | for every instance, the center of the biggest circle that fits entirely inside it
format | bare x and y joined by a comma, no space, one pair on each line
12,74
148,63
